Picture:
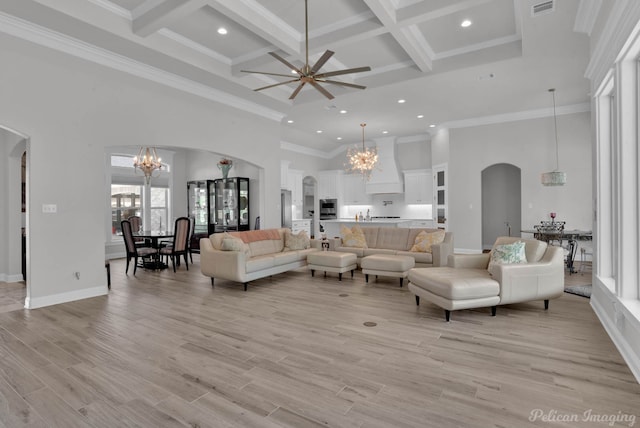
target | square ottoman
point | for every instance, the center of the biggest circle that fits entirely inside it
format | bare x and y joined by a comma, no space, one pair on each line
387,265
332,261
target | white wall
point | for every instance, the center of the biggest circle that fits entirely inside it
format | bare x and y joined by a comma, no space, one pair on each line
72,111
529,145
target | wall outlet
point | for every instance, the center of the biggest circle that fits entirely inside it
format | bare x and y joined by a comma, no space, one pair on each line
49,208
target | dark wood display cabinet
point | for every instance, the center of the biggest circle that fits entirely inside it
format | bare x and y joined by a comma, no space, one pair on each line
200,199
230,210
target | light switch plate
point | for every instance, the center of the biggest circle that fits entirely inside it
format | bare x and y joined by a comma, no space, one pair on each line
49,208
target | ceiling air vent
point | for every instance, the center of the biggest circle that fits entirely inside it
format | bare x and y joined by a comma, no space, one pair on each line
543,8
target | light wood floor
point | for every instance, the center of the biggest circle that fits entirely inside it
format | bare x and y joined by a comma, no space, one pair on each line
167,350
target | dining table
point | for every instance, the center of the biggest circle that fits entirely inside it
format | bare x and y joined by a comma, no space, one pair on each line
571,236
154,237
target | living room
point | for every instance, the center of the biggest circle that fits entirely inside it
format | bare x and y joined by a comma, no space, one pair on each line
69,111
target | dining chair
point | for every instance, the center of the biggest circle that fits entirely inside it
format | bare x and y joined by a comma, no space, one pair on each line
132,250
136,226
180,245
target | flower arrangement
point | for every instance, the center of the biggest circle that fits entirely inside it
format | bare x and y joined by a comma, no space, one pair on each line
225,161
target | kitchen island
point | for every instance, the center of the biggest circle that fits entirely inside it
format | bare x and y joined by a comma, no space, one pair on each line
332,227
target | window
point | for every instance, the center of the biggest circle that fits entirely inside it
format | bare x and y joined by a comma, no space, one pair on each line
160,208
125,201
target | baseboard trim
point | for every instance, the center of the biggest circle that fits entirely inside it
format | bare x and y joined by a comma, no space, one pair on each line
7,277
630,357
56,299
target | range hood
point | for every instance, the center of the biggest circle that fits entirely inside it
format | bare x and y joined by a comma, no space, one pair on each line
385,177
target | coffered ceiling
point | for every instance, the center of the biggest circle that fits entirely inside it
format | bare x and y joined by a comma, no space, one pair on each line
502,64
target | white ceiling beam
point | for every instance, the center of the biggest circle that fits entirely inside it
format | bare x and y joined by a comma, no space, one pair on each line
408,38
163,14
259,20
586,16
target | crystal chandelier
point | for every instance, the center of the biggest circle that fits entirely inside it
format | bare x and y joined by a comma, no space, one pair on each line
148,163
555,177
362,161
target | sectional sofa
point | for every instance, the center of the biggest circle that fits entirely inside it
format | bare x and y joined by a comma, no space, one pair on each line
399,241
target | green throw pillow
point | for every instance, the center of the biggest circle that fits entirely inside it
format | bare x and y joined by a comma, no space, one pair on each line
507,254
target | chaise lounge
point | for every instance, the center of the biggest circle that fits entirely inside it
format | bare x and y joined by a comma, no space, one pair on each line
516,270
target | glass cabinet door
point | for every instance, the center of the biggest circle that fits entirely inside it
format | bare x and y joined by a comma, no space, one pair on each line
231,200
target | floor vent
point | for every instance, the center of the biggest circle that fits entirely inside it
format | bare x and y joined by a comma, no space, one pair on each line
543,8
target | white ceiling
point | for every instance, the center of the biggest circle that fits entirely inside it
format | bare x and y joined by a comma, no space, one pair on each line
502,64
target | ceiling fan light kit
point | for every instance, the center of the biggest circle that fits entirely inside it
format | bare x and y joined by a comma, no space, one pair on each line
309,74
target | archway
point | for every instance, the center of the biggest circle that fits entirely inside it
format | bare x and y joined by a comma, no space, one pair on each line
14,265
501,203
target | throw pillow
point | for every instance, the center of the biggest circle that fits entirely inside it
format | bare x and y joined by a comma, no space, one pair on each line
424,240
353,237
507,254
297,241
232,244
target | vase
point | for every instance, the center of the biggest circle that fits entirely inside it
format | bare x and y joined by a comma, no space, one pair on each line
225,167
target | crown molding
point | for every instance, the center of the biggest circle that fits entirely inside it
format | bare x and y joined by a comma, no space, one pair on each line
513,117
296,148
51,39
622,22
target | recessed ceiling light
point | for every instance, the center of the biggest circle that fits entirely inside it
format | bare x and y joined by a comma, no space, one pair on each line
222,31
385,132
339,138
289,121
466,23
343,112
432,126
319,131
420,116
401,101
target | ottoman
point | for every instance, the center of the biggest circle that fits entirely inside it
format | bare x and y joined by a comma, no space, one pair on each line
387,265
332,261
455,288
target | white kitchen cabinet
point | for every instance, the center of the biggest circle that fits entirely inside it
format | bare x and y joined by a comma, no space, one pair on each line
418,186
354,190
423,223
299,225
284,174
330,184
294,181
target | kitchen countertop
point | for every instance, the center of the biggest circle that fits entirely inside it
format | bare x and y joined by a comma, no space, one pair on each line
373,221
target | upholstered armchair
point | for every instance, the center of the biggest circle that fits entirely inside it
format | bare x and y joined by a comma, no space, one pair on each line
540,277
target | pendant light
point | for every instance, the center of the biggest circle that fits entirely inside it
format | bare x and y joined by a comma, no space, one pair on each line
555,177
362,161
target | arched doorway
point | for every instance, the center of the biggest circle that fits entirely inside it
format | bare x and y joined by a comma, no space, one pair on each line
501,202
14,238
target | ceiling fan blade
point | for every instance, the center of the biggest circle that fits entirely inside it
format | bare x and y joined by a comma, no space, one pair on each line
268,74
345,71
277,84
350,85
285,62
293,95
323,59
322,90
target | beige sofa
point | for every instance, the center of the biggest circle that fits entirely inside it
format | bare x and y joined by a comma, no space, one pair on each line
260,253
398,241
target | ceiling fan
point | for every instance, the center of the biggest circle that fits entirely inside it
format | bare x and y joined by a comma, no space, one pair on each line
308,74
